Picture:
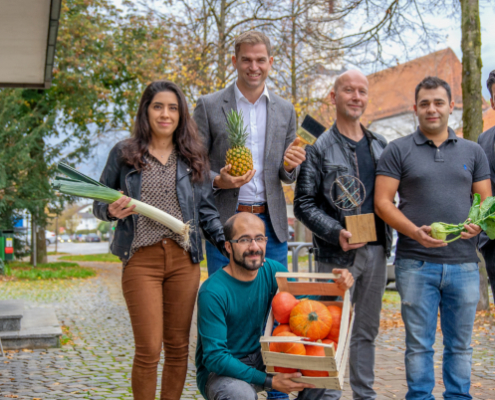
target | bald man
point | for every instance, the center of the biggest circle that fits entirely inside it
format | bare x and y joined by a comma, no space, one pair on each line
348,148
233,305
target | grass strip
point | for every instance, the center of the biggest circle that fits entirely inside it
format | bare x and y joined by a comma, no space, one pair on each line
103,257
56,270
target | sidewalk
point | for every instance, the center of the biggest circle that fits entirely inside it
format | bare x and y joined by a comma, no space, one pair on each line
97,363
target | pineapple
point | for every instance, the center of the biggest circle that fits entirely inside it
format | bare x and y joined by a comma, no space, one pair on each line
239,156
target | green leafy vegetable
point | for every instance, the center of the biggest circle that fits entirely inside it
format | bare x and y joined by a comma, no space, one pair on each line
482,215
474,212
490,228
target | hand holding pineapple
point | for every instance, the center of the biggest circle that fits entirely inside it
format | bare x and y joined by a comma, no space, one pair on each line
227,181
239,160
294,155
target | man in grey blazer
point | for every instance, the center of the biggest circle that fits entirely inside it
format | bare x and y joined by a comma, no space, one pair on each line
271,123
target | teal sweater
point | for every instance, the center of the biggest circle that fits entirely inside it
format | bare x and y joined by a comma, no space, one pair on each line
231,318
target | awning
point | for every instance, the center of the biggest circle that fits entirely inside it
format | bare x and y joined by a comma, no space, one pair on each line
28,33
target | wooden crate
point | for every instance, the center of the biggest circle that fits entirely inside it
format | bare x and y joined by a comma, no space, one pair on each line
334,361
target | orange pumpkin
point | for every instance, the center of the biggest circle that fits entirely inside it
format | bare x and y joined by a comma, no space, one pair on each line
316,351
329,341
282,305
288,348
281,328
310,319
336,312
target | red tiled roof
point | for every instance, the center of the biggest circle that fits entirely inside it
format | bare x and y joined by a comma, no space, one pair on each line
391,91
489,119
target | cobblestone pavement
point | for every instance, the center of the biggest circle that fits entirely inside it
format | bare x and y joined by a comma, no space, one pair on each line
97,364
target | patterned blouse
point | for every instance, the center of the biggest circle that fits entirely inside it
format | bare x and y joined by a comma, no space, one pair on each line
158,189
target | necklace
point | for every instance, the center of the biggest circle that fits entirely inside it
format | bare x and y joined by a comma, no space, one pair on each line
156,153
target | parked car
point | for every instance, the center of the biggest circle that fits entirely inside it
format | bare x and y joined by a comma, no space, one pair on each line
292,234
49,237
64,238
92,237
391,259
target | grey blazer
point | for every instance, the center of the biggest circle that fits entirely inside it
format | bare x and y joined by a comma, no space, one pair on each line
211,116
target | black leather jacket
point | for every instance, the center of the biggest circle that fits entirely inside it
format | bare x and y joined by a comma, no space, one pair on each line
330,157
195,200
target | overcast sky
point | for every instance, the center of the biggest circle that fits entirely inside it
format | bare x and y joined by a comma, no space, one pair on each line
453,29
487,12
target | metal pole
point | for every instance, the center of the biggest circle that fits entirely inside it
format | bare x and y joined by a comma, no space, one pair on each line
35,242
56,235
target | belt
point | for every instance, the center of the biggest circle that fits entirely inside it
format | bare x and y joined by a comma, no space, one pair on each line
252,209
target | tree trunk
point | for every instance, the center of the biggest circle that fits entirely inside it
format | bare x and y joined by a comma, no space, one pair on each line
204,73
484,303
299,231
472,118
39,242
222,50
293,65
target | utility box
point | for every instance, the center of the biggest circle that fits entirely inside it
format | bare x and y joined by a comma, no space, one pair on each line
7,245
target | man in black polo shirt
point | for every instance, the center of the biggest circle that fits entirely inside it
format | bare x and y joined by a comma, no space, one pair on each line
487,142
435,173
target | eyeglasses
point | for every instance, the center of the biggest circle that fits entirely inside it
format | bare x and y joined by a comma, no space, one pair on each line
247,241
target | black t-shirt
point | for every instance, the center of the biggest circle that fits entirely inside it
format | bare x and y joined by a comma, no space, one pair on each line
435,186
366,170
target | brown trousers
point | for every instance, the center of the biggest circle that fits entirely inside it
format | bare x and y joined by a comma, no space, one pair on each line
160,285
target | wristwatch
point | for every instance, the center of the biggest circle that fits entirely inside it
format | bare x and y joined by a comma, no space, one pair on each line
268,382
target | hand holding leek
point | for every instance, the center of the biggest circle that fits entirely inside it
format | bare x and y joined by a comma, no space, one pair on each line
481,215
81,185
121,209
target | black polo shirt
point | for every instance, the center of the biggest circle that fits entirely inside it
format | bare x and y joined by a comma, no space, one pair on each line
435,186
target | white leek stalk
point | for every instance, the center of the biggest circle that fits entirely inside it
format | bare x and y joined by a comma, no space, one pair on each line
84,186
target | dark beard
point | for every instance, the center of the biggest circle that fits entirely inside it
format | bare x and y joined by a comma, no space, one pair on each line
241,262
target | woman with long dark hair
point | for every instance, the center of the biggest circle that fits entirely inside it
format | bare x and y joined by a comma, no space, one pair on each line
163,164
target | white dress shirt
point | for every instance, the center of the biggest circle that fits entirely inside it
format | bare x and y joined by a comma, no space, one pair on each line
255,121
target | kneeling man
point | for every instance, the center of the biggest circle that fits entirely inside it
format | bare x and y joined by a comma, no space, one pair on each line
233,306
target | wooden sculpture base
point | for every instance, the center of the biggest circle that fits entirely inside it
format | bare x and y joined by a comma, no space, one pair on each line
362,228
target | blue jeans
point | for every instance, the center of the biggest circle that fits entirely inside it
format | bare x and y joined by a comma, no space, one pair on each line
424,289
275,249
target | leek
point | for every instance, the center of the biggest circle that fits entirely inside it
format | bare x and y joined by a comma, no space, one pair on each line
81,185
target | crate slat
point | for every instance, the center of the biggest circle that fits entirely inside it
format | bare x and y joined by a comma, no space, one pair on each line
322,383
293,339
300,362
307,275
314,289
344,325
346,351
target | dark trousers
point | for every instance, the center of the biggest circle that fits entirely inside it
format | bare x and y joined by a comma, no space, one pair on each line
488,253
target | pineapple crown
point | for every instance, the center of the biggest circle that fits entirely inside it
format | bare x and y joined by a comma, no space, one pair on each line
235,126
